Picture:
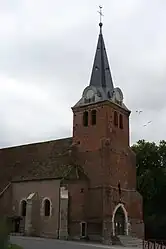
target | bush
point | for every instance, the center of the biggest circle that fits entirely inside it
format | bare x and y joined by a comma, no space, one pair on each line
4,233
14,247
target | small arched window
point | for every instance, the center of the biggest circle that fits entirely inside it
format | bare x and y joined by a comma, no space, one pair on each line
119,189
85,118
47,207
120,121
23,208
93,117
115,118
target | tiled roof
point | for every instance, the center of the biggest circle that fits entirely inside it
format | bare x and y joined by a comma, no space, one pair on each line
52,159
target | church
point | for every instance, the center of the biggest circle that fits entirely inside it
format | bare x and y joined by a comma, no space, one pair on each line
84,186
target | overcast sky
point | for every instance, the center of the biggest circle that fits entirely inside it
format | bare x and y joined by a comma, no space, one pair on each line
46,54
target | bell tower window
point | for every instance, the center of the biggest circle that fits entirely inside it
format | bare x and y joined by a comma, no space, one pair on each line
115,118
93,117
85,118
120,121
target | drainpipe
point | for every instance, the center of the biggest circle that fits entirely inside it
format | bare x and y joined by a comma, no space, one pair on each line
59,212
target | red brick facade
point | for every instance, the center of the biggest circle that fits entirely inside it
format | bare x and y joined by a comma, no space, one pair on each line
109,161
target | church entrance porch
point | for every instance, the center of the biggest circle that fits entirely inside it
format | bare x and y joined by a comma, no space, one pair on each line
15,224
120,221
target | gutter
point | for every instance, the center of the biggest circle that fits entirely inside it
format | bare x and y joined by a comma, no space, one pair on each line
6,188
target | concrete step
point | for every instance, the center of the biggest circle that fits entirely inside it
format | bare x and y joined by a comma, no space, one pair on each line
130,241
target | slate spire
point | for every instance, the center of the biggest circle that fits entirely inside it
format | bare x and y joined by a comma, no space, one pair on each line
101,74
101,86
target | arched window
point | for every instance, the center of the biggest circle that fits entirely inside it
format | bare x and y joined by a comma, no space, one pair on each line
23,205
93,117
47,207
115,118
119,189
85,118
120,121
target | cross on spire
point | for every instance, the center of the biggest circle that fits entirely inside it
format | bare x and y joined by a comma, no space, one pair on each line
101,75
101,14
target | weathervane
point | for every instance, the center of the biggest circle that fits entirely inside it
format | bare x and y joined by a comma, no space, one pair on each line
100,12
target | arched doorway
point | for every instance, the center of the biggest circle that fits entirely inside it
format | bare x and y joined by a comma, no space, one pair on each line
120,220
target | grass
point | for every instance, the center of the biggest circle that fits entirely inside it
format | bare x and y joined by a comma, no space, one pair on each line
12,246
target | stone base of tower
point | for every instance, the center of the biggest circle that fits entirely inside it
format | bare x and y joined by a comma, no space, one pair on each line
107,232
136,228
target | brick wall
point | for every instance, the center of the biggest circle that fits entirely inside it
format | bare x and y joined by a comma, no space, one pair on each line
90,136
107,159
78,196
105,146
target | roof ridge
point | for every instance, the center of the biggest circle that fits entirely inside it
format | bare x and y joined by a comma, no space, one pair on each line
35,143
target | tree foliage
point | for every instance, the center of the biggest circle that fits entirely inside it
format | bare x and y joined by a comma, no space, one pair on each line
151,183
4,233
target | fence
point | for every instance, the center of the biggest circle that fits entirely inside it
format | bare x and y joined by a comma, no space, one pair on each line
153,245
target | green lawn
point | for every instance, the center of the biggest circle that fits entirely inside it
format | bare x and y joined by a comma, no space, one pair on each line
15,247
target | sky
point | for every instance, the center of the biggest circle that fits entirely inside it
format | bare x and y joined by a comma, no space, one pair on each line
47,50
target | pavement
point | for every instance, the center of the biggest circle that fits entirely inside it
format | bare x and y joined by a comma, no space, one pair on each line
41,243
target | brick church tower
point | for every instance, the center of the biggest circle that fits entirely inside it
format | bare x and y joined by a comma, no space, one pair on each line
101,135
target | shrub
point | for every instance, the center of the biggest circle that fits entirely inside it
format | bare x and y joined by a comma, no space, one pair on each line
4,233
14,247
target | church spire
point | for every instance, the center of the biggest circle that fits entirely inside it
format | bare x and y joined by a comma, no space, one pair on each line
101,74
101,86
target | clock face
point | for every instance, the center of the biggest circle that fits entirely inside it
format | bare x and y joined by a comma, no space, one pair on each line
118,94
89,94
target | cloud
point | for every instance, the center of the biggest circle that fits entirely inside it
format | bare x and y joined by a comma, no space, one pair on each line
47,50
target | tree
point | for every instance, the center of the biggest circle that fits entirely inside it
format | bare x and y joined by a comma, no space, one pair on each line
4,233
151,183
